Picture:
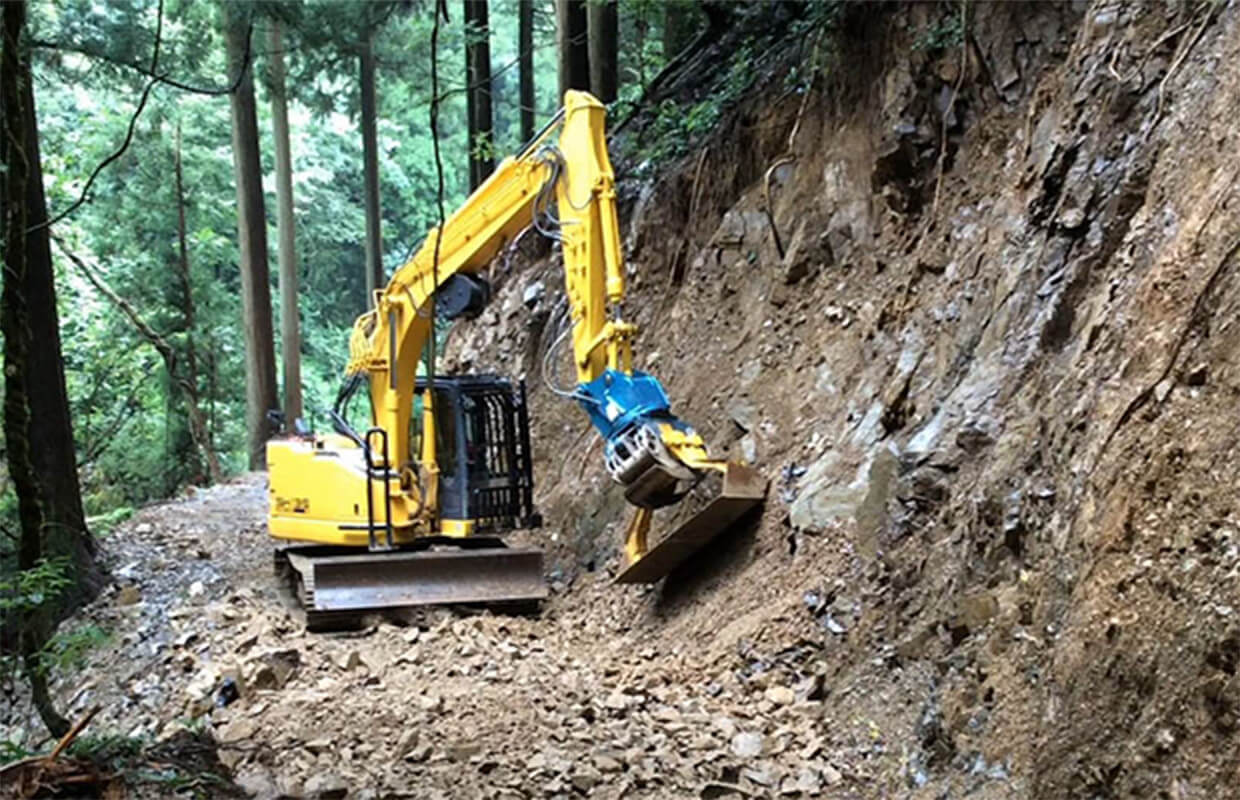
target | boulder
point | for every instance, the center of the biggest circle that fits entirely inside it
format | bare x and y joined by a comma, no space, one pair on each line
747,744
326,786
808,253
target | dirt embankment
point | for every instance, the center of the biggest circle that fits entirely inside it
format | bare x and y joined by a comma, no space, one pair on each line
993,380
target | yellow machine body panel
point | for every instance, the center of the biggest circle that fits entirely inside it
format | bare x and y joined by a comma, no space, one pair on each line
318,494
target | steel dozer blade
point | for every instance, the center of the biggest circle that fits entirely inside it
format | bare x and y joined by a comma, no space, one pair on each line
727,497
334,585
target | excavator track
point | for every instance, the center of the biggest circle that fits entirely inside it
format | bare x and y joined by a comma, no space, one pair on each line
339,587
300,595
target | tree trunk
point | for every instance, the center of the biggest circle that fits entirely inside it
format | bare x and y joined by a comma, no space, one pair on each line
574,48
260,367
37,429
641,27
290,330
32,293
718,14
525,65
478,91
471,94
198,428
604,40
185,292
370,169
211,385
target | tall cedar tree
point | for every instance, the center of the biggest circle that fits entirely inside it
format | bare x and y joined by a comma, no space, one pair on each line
525,65
37,429
604,24
478,91
290,332
260,367
370,167
573,46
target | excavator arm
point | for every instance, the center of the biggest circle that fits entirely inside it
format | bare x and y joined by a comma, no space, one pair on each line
647,448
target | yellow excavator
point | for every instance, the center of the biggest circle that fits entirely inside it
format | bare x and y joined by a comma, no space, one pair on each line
407,512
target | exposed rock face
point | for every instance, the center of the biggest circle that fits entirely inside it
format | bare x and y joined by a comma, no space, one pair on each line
1003,405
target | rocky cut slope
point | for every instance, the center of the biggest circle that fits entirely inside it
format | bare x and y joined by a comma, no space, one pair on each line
971,302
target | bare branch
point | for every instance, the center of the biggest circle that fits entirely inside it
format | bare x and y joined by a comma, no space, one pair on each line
120,151
159,33
166,351
441,8
142,69
155,80
150,334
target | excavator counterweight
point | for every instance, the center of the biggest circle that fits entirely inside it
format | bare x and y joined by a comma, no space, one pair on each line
406,511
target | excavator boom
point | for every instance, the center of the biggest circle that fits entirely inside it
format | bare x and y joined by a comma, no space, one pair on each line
448,458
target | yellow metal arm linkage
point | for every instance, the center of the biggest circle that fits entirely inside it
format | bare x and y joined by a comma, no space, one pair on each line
388,341
653,454
628,407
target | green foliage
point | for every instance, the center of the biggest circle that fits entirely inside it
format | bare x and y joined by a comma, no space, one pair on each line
138,762
818,16
947,33
483,147
641,53
104,524
113,751
26,590
701,118
179,782
142,763
195,726
678,126
67,650
13,751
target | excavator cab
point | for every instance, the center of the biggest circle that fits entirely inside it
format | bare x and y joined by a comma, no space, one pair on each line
482,444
